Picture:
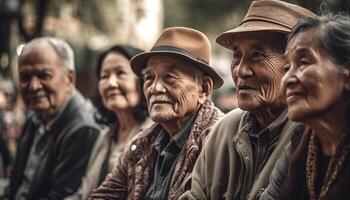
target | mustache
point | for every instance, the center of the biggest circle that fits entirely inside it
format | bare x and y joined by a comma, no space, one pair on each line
35,94
161,99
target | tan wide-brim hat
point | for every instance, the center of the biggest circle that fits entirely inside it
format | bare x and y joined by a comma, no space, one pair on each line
266,15
185,43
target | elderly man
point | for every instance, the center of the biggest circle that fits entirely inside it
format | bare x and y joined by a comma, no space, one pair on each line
177,82
242,149
57,138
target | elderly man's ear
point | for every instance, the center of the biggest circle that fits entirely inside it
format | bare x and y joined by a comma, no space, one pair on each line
205,88
71,75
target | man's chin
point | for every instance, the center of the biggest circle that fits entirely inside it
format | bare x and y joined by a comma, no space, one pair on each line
38,108
161,118
248,106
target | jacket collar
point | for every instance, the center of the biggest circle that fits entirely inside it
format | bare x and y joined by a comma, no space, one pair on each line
76,101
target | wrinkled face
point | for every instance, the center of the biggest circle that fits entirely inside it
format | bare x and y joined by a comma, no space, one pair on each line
45,85
257,69
170,88
312,83
118,85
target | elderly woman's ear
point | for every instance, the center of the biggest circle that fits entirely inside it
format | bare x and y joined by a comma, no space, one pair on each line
205,88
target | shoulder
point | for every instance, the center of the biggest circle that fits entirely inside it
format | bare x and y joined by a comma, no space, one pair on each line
225,129
145,125
78,114
141,143
230,121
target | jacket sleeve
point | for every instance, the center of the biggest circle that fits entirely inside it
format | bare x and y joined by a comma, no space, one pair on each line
115,186
71,161
278,175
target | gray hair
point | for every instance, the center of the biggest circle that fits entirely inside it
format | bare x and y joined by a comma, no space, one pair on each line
333,35
62,48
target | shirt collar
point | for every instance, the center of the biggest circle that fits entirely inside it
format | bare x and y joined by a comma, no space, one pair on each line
254,129
163,139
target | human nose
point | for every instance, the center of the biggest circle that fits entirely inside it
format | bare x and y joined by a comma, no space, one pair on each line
113,80
34,83
243,70
290,78
157,86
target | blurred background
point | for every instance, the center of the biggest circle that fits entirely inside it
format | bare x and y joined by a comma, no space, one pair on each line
92,25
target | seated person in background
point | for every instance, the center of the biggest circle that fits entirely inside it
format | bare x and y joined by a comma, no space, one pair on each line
178,80
122,106
242,148
57,139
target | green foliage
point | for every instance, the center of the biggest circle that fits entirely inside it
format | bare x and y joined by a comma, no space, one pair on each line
209,16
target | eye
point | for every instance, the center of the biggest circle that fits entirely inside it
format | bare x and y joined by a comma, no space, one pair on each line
304,62
24,78
236,57
104,76
170,76
286,67
147,78
121,72
258,55
44,76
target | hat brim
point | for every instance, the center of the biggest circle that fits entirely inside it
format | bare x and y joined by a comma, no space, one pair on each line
139,62
225,39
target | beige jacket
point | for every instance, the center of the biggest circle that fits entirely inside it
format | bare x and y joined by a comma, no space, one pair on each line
224,169
98,155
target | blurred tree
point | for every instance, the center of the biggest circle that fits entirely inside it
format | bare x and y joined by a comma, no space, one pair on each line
32,27
8,13
89,26
213,17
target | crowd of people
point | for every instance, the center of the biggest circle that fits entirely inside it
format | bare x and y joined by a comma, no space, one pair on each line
153,132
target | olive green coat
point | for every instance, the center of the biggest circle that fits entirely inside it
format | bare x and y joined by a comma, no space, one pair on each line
224,169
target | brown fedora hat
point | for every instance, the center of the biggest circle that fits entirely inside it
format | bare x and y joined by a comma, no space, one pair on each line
266,15
185,43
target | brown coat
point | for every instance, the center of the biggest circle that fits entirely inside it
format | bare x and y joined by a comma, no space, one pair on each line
132,175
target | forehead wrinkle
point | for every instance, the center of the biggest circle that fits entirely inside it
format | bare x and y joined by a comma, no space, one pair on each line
112,67
254,45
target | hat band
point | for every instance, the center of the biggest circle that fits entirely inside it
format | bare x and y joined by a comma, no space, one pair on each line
264,20
178,50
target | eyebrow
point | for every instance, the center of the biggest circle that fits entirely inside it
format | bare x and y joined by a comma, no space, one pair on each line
300,50
114,67
258,46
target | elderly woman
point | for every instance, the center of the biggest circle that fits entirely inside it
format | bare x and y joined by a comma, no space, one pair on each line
317,86
121,104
